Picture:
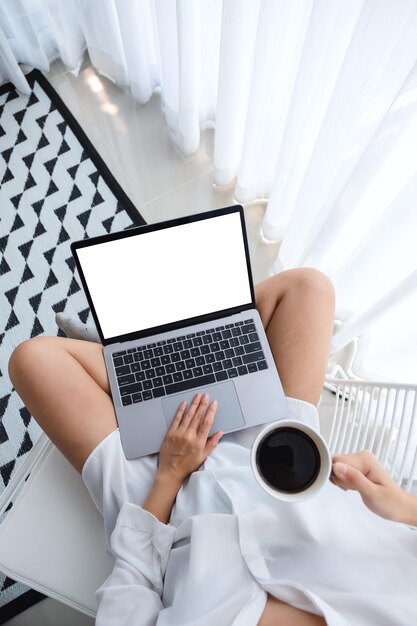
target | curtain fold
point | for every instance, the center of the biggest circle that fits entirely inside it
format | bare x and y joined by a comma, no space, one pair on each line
328,39
280,35
313,105
9,66
237,49
379,57
36,32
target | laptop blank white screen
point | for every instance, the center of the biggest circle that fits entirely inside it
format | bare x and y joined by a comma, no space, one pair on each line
168,275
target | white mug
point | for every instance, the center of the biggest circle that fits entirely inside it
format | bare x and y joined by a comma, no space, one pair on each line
290,460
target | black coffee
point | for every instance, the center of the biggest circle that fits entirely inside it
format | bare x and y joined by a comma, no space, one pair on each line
288,460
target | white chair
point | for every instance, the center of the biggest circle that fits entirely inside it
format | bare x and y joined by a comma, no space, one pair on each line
52,538
377,416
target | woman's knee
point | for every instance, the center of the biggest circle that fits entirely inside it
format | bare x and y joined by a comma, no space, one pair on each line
303,286
310,282
29,355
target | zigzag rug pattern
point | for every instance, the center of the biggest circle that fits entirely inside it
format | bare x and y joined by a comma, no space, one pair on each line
54,189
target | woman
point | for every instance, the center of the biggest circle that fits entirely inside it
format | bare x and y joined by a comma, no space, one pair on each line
230,554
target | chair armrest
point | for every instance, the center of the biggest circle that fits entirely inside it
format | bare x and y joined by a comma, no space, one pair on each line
52,539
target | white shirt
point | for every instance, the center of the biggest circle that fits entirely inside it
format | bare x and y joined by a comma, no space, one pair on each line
228,543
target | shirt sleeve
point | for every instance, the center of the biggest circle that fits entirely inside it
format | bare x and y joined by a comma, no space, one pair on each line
131,595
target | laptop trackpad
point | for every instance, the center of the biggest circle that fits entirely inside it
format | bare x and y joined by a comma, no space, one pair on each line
229,414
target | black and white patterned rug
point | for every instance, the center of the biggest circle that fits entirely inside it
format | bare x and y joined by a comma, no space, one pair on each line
54,189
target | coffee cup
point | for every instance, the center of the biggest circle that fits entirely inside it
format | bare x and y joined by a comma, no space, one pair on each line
290,460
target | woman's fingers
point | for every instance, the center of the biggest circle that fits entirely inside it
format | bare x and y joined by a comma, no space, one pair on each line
178,416
212,442
198,417
206,422
336,482
201,412
192,410
366,463
207,418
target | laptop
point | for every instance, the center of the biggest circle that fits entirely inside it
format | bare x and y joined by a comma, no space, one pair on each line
174,306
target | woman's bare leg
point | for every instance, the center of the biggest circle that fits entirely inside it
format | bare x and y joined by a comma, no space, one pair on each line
277,613
63,383
297,311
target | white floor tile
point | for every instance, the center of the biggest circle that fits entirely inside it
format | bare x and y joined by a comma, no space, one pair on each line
196,196
56,68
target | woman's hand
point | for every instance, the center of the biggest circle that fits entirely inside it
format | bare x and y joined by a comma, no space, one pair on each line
186,446
381,494
183,450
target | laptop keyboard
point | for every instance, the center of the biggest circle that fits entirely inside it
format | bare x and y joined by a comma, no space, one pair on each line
188,361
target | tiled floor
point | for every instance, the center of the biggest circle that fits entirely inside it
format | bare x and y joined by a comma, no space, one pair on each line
136,145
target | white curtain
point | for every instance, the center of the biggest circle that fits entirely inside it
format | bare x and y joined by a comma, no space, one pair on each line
314,106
